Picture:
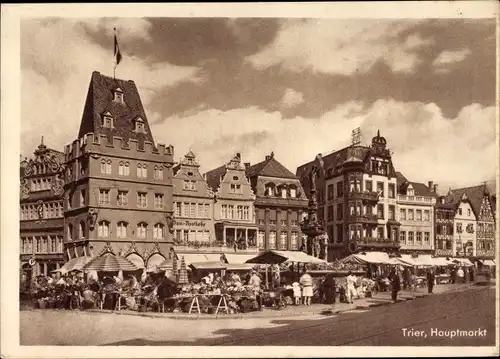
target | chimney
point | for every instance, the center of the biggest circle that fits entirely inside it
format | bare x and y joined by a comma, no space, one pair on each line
431,183
435,188
247,165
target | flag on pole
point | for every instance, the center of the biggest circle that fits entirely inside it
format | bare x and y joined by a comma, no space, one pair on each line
118,55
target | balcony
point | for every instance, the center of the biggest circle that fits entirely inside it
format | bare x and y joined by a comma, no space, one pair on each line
444,252
377,242
416,199
367,196
363,218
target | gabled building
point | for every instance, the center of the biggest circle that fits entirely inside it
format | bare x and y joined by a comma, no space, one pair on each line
41,212
193,208
481,206
279,202
444,228
234,211
356,195
118,182
464,223
415,202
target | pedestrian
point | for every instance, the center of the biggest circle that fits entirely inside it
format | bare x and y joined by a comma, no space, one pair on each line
395,284
453,274
351,289
297,294
471,274
461,275
430,280
307,289
329,289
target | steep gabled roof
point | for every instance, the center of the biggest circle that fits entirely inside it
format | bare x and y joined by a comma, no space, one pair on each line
401,182
214,177
475,195
100,100
421,189
269,168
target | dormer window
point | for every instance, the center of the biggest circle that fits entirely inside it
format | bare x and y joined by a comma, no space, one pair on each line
107,120
139,125
118,95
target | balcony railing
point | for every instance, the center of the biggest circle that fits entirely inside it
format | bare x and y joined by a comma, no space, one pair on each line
485,252
364,195
416,199
363,218
444,252
376,242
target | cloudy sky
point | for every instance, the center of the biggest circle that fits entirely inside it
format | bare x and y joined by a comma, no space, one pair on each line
293,86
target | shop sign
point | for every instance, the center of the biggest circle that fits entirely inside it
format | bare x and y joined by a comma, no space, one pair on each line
32,262
188,223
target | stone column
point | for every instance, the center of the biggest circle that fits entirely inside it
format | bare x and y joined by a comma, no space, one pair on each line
45,268
267,216
223,236
246,237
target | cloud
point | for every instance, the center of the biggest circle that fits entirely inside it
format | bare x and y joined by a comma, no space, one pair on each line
342,46
57,60
448,58
292,98
427,146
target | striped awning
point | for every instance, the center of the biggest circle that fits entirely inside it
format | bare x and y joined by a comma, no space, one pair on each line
74,264
110,263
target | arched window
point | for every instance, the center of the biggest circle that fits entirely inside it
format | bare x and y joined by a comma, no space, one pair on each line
142,170
126,169
270,188
81,230
103,229
70,232
121,168
106,167
121,229
293,191
158,231
142,230
158,172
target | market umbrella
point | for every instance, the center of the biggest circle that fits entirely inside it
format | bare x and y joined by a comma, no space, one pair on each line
183,276
110,263
174,266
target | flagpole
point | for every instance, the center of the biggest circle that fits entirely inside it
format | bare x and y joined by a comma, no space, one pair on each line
114,53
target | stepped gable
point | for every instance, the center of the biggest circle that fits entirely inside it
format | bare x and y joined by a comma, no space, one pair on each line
269,168
474,194
100,100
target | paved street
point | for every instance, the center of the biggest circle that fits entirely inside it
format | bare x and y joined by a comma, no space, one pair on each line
464,310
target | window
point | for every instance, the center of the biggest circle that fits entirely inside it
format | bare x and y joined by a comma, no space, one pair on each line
108,121
283,223
261,222
295,223
460,211
53,245
392,190
329,192
235,188
294,240
246,212
459,227
224,211
142,199
124,169
239,212
402,237
118,95
380,189
380,211
272,222
368,186
121,229
82,198
468,212
272,240
103,229
410,238
105,167
122,198
81,230
427,215
230,211
380,232
178,206
410,214
159,201
192,210
419,237
158,231
427,237
283,240
330,213
293,192
369,209
283,192
402,214
142,229
189,185
139,125
340,189
340,211
142,170
103,196
260,239
158,172
418,215
38,242
392,212
340,233
207,210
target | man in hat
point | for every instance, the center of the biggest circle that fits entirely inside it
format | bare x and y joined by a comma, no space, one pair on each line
255,282
307,289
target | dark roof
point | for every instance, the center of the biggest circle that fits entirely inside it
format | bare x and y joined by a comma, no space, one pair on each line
269,168
401,182
214,177
100,100
475,194
421,189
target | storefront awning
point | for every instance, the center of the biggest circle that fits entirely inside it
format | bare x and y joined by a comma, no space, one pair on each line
462,261
199,257
238,258
208,265
74,264
277,257
371,258
489,262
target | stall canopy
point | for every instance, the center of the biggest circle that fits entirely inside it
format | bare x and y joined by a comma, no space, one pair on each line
110,263
277,257
489,262
462,261
237,258
371,258
200,257
208,265
424,260
74,264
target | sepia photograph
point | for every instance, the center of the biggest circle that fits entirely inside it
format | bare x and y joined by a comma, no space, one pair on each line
257,178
